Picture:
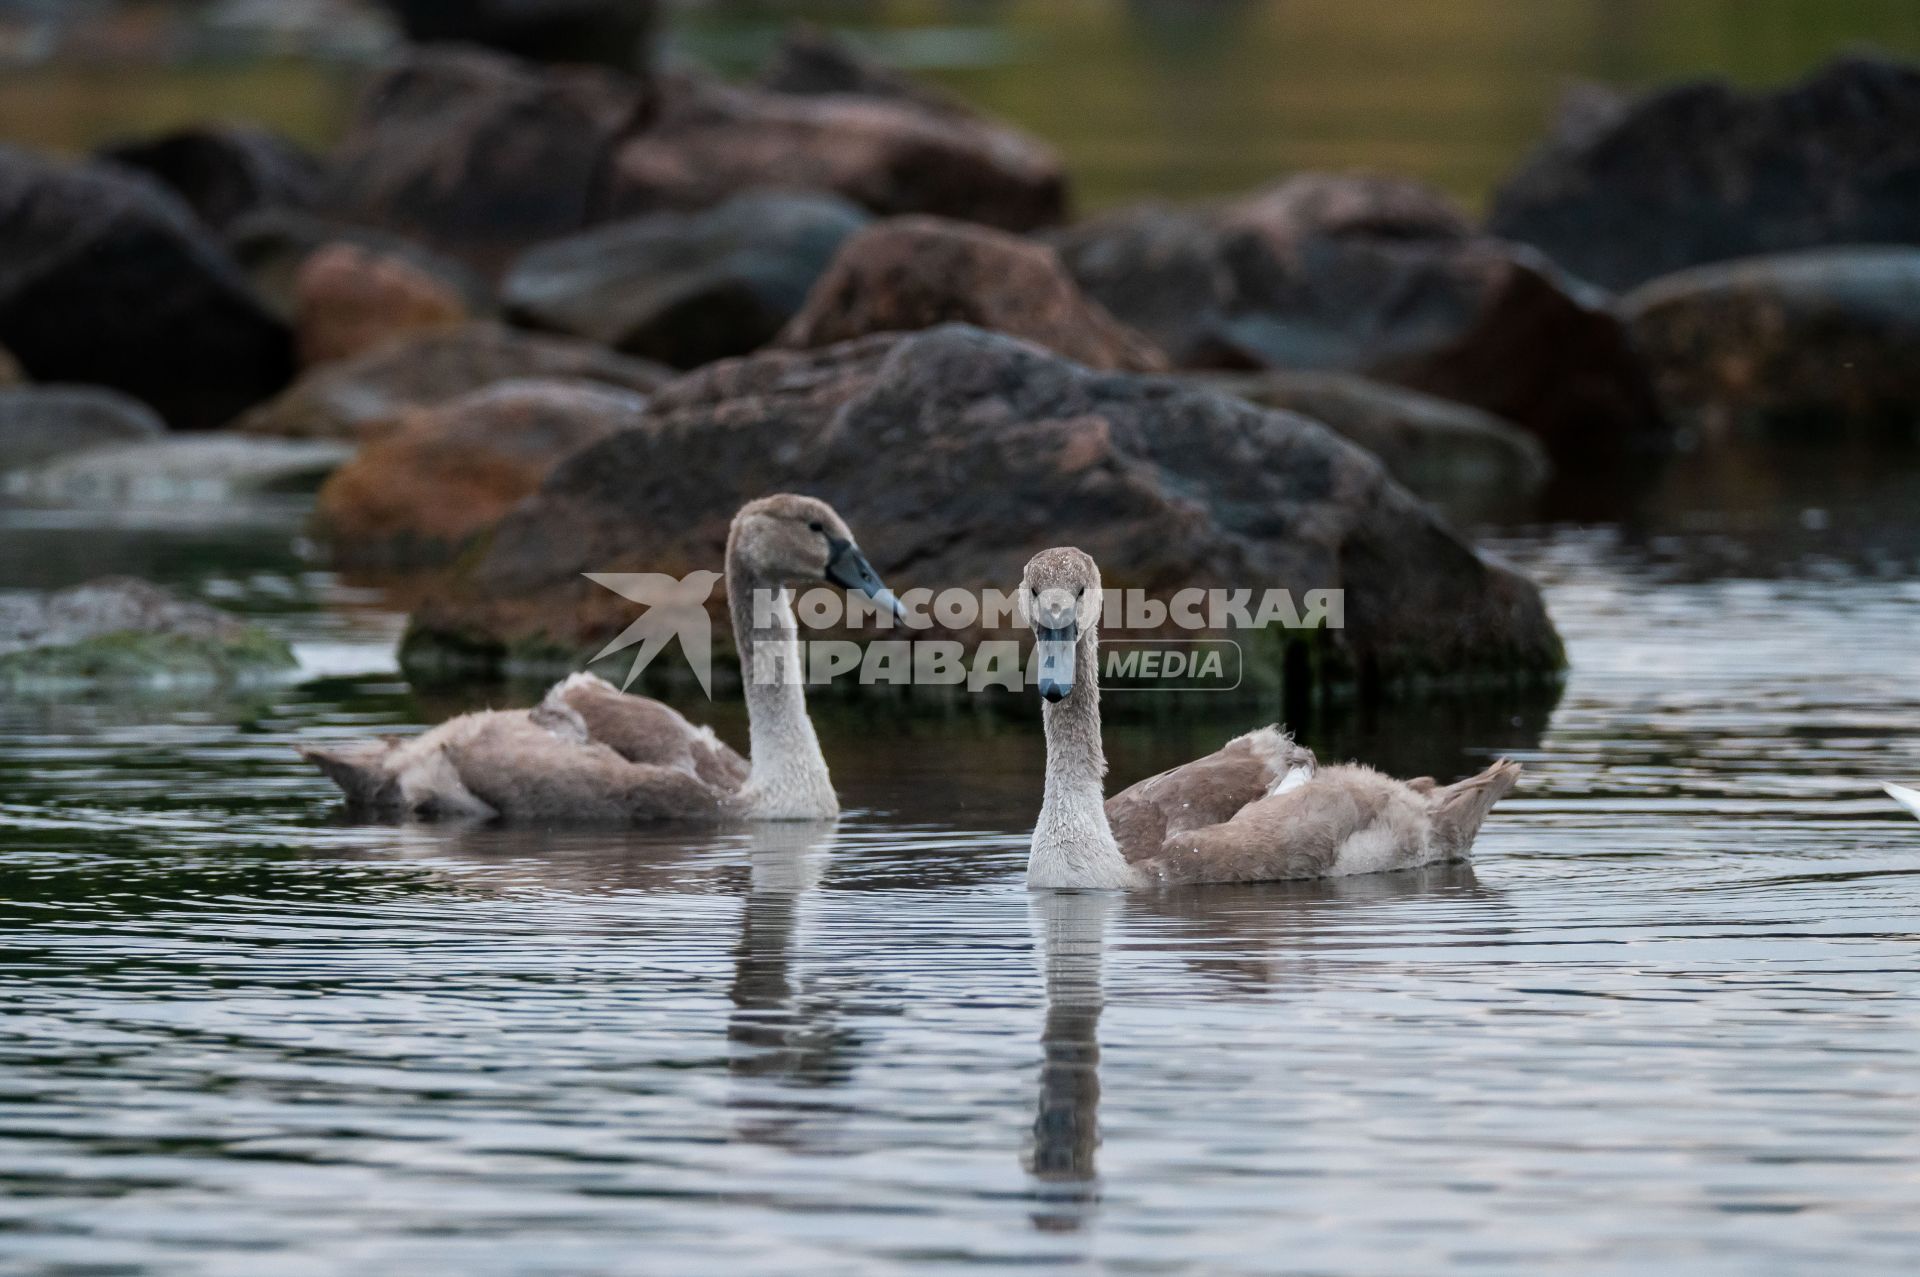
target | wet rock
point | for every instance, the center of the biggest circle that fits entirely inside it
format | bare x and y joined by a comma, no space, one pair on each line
478,156
957,452
889,155
617,33
1469,462
359,398
38,423
224,171
910,273
1704,172
449,473
1370,276
348,300
107,278
178,471
272,245
685,288
122,631
1815,344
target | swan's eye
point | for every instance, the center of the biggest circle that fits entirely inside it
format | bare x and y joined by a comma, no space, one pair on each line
817,526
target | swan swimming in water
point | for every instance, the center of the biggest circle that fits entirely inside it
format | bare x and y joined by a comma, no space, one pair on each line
590,753
1259,809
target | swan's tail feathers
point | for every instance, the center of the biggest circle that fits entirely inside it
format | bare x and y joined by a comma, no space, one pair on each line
1908,798
1459,809
357,768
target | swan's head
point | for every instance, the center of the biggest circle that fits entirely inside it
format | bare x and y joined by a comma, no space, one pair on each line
798,540
1060,593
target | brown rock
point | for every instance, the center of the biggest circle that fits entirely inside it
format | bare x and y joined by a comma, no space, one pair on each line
479,156
348,300
890,155
365,396
910,273
1817,344
449,473
1374,276
957,453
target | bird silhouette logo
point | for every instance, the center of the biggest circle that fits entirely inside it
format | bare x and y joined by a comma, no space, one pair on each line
676,607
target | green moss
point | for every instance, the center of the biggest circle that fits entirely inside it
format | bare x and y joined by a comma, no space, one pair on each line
130,658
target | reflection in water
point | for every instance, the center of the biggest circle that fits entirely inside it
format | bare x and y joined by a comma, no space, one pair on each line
1072,936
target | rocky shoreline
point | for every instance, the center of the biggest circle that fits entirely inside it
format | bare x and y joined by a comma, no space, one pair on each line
559,318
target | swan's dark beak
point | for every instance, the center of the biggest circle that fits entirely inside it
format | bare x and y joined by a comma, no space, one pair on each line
1053,661
849,569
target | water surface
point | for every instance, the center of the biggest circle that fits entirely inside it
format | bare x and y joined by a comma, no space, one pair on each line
1668,1021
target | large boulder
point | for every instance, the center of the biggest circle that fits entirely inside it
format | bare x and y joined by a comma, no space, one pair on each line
122,631
479,156
107,278
38,423
617,33
684,288
1468,462
957,453
224,171
449,473
366,396
1368,276
1704,172
909,273
349,300
889,154
1818,344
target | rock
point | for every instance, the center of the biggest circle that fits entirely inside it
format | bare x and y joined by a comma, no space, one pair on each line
480,157
38,423
955,453
1470,463
684,288
11,373
122,631
182,471
348,301
224,171
1704,172
107,278
1368,276
272,245
1818,343
812,61
711,141
909,273
618,33
449,473
362,397
1168,269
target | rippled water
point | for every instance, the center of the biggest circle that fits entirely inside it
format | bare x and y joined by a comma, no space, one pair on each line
1668,1022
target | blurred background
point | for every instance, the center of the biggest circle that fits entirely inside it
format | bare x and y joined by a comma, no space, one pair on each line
1141,97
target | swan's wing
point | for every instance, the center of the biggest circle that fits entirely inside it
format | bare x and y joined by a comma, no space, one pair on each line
1207,791
642,730
523,771
1346,820
1908,798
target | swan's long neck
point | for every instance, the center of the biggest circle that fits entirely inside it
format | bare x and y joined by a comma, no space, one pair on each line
1073,844
788,778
